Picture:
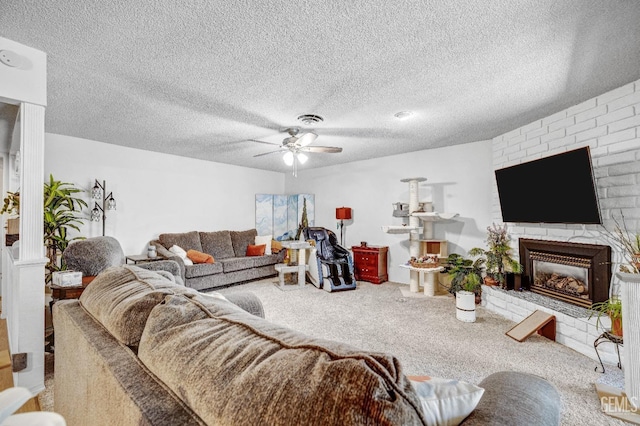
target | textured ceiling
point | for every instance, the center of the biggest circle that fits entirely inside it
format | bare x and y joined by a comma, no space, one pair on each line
199,78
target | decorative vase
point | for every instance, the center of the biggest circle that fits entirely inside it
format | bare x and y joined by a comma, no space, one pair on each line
466,306
635,260
490,281
151,252
616,326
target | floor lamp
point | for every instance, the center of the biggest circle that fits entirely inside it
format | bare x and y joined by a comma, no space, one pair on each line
342,214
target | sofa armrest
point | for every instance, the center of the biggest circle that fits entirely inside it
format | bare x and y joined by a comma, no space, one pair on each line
164,252
247,301
170,266
514,398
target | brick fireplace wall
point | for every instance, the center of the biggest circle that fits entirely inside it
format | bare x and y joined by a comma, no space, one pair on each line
610,125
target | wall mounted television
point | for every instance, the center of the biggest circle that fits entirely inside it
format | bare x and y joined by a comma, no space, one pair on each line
555,189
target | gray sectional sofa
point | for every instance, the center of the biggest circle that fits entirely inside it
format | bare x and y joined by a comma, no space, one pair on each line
228,248
138,349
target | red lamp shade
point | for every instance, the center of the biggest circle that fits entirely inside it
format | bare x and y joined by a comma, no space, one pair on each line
343,213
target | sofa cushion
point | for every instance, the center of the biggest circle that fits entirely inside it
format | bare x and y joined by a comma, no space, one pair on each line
245,370
271,259
199,257
237,263
242,239
185,240
256,250
120,298
217,244
202,269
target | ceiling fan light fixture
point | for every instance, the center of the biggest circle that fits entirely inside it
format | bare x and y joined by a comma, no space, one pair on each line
302,157
288,158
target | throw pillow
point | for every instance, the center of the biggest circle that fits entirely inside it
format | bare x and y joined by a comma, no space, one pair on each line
253,250
180,252
199,257
276,246
444,401
266,240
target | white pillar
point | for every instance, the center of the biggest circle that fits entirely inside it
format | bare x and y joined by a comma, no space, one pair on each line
630,292
27,327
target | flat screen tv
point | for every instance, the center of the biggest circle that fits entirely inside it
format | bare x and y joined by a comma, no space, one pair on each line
555,189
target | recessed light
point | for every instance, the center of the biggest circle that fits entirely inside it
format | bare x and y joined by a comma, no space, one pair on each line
403,115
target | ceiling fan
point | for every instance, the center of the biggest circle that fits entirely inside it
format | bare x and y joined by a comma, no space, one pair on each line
295,146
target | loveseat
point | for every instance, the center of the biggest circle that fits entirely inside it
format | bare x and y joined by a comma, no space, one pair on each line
139,349
231,264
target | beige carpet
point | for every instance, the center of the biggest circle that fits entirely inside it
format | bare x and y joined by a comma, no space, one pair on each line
425,336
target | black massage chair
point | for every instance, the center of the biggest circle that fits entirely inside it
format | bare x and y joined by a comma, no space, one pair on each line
335,265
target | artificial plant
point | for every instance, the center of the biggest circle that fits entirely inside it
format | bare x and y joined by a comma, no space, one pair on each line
460,269
498,254
61,212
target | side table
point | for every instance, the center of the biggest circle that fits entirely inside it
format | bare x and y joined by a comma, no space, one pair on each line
301,268
608,337
370,263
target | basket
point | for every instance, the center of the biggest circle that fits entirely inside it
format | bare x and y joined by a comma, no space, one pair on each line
423,264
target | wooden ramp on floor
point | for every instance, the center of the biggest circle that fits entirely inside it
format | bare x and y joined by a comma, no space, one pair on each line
6,373
542,322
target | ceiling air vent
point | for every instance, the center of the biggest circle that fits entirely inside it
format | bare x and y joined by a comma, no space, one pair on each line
310,119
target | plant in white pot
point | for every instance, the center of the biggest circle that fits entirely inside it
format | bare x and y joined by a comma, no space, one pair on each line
466,298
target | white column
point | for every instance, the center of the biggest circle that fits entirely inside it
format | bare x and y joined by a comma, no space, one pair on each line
27,325
630,292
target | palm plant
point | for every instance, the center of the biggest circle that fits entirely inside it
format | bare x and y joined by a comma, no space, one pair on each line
61,212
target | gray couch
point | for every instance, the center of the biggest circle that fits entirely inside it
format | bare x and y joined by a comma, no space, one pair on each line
228,248
138,349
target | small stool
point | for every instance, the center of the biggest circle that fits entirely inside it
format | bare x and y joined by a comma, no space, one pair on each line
608,337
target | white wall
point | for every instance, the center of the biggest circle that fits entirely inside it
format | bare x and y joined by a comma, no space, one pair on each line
157,193
610,125
458,180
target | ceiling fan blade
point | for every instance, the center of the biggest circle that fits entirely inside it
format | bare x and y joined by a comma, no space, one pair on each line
271,152
327,149
306,139
268,143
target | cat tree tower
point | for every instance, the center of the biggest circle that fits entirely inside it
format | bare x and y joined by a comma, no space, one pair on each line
421,240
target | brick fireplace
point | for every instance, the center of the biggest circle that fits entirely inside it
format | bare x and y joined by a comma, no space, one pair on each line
570,262
575,273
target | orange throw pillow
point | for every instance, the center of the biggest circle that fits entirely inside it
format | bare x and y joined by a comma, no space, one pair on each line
199,257
256,250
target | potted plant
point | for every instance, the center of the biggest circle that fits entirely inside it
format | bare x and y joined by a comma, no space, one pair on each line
61,212
498,256
458,267
12,207
629,244
466,297
612,308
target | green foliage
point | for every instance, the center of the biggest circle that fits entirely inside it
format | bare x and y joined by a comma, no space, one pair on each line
463,273
498,254
61,212
611,307
11,204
